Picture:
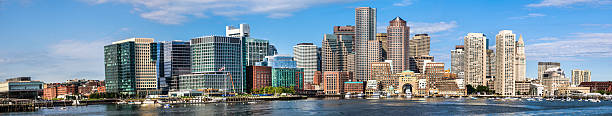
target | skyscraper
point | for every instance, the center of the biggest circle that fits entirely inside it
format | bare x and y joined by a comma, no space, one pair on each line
130,66
243,31
335,51
365,30
374,52
419,45
217,63
543,66
475,59
174,59
399,36
306,56
256,50
505,53
520,60
383,38
579,76
457,59
491,64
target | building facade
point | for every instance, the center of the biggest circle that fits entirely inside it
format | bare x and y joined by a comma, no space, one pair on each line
333,81
174,59
216,57
243,31
288,77
475,59
398,44
21,88
579,76
306,57
256,50
520,60
543,66
130,66
365,31
457,59
505,53
419,45
258,77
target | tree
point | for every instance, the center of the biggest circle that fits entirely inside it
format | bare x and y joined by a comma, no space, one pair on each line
470,89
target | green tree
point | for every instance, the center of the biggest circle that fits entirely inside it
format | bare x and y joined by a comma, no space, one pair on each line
470,89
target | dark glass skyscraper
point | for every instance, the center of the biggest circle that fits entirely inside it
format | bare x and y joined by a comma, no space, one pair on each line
174,60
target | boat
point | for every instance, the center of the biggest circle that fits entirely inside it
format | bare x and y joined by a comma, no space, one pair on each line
594,100
121,102
446,96
167,106
473,98
148,101
347,95
252,102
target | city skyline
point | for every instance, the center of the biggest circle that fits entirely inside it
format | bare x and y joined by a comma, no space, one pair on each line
62,54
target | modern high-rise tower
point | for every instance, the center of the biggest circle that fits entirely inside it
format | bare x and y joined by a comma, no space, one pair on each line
130,66
174,59
475,59
365,31
399,36
419,45
306,57
505,45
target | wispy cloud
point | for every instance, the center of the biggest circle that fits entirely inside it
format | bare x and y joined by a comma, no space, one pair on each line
559,3
548,39
422,27
419,27
403,3
530,15
583,45
179,11
598,25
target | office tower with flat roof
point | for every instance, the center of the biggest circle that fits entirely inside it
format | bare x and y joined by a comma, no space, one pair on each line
505,45
365,31
475,59
335,50
374,52
383,38
242,31
520,67
306,57
398,51
579,76
457,59
346,33
543,66
174,59
130,66
491,64
256,50
419,45
333,82
217,58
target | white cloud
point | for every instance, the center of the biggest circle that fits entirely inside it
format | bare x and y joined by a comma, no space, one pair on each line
598,25
582,45
179,11
530,15
422,27
403,3
419,27
558,3
548,39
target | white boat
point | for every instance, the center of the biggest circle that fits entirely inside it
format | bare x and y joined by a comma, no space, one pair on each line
446,96
347,95
121,102
148,101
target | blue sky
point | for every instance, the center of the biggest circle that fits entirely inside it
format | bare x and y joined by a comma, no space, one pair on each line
56,40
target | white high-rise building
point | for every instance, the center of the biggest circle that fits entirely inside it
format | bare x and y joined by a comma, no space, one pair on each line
520,60
475,59
305,55
242,31
505,45
365,30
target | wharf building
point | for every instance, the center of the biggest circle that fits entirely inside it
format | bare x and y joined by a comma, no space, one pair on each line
21,88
